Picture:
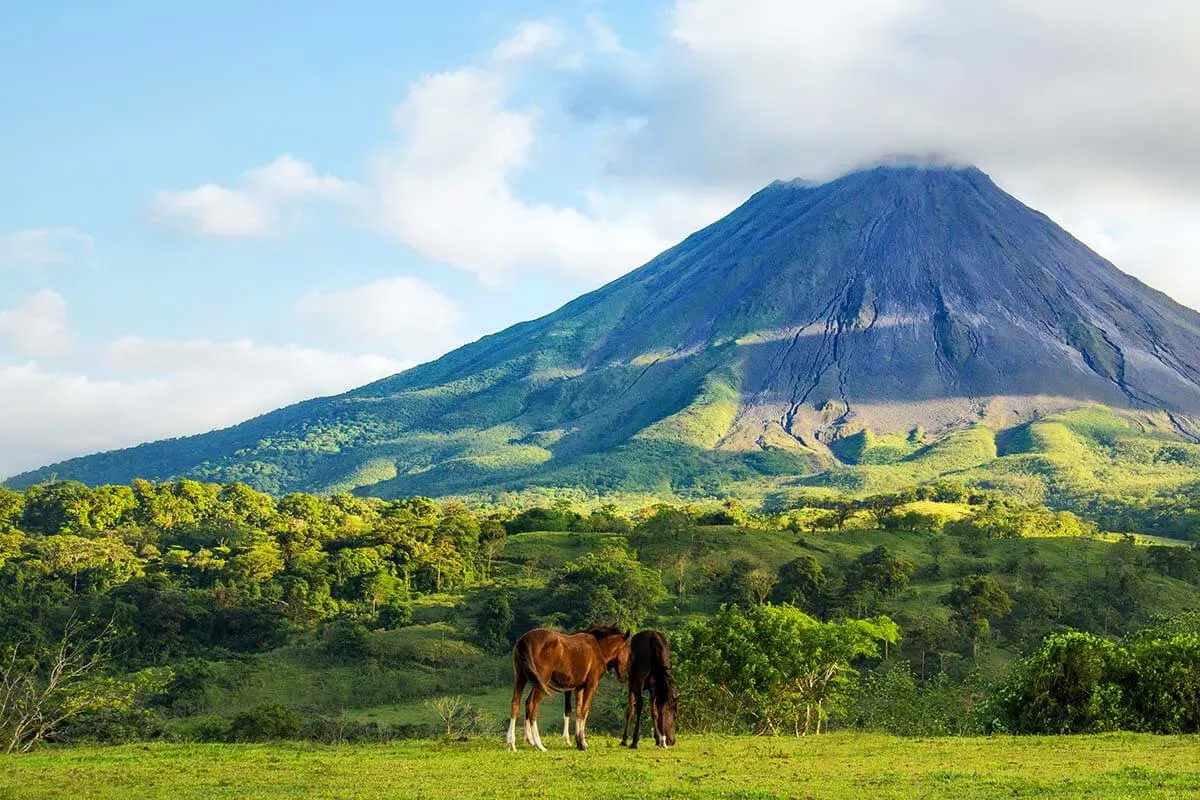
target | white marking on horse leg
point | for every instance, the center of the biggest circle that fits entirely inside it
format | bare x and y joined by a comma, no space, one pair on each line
537,738
529,733
510,738
566,729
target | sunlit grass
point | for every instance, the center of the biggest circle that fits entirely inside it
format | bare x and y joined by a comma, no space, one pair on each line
828,767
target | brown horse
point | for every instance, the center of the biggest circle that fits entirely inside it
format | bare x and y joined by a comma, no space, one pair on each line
561,662
650,670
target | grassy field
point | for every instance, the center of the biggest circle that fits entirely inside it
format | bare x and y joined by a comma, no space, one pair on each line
825,767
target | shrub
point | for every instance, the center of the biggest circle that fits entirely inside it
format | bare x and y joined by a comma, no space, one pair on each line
396,614
267,722
892,700
1072,684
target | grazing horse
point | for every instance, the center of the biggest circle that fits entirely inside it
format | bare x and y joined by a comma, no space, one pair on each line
561,662
650,670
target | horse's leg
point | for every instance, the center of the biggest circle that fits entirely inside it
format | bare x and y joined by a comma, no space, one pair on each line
628,713
660,738
531,710
518,689
637,725
583,702
567,716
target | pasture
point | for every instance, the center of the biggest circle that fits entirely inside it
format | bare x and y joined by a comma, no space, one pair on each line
831,766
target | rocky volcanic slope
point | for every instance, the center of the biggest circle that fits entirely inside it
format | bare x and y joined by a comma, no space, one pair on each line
907,301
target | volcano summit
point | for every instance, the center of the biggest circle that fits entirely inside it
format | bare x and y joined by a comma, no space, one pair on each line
913,307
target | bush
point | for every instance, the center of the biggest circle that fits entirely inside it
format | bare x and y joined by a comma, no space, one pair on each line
267,722
892,700
606,586
396,614
114,726
346,640
1074,683
494,622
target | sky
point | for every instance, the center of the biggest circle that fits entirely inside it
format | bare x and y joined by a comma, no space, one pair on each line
212,209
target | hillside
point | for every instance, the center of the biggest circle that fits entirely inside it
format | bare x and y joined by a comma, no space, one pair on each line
895,323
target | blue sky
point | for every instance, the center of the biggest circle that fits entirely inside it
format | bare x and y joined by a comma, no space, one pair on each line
213,209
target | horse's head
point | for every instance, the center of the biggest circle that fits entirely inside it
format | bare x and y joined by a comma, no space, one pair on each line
668,712
669,709
614,648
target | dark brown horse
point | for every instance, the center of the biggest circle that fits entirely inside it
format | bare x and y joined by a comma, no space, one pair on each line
562,662
650,671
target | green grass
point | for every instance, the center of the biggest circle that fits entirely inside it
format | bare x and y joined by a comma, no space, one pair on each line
826,767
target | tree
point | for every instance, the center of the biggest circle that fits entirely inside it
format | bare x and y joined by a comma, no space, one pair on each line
493,623
772,667
607,519
745,582
57,507
879,570
95,564
43,688
1070,685
606,586
975,600
664,520
927,632
12,509
760,582
801,583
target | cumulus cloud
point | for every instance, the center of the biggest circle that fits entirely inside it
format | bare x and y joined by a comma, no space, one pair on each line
160,389
395,315
1079,107
42,246
37,326
447,189
258,206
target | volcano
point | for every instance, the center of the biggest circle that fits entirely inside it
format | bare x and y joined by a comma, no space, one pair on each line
870,319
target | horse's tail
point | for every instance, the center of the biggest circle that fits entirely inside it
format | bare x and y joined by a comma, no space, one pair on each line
523,665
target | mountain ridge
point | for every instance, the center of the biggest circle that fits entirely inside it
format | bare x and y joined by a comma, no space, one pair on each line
892,299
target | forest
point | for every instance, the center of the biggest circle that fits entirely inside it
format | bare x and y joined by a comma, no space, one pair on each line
190,611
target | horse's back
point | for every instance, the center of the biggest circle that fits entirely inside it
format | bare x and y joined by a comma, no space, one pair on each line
555,660
650,660
650,647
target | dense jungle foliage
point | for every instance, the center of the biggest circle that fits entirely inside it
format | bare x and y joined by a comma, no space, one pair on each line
191,610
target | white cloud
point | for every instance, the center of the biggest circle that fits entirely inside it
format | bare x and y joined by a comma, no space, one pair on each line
448,187
395,315
1085,109
42,246
257,207
162,389
530,39
36,327
447,190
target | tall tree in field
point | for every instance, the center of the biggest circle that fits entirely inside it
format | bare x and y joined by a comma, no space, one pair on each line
975,601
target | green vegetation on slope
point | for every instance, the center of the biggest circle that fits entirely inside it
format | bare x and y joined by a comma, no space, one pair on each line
343,614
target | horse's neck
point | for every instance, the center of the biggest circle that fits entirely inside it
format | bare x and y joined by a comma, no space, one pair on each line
608,647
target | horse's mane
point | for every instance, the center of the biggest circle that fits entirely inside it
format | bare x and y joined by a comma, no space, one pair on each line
605,631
